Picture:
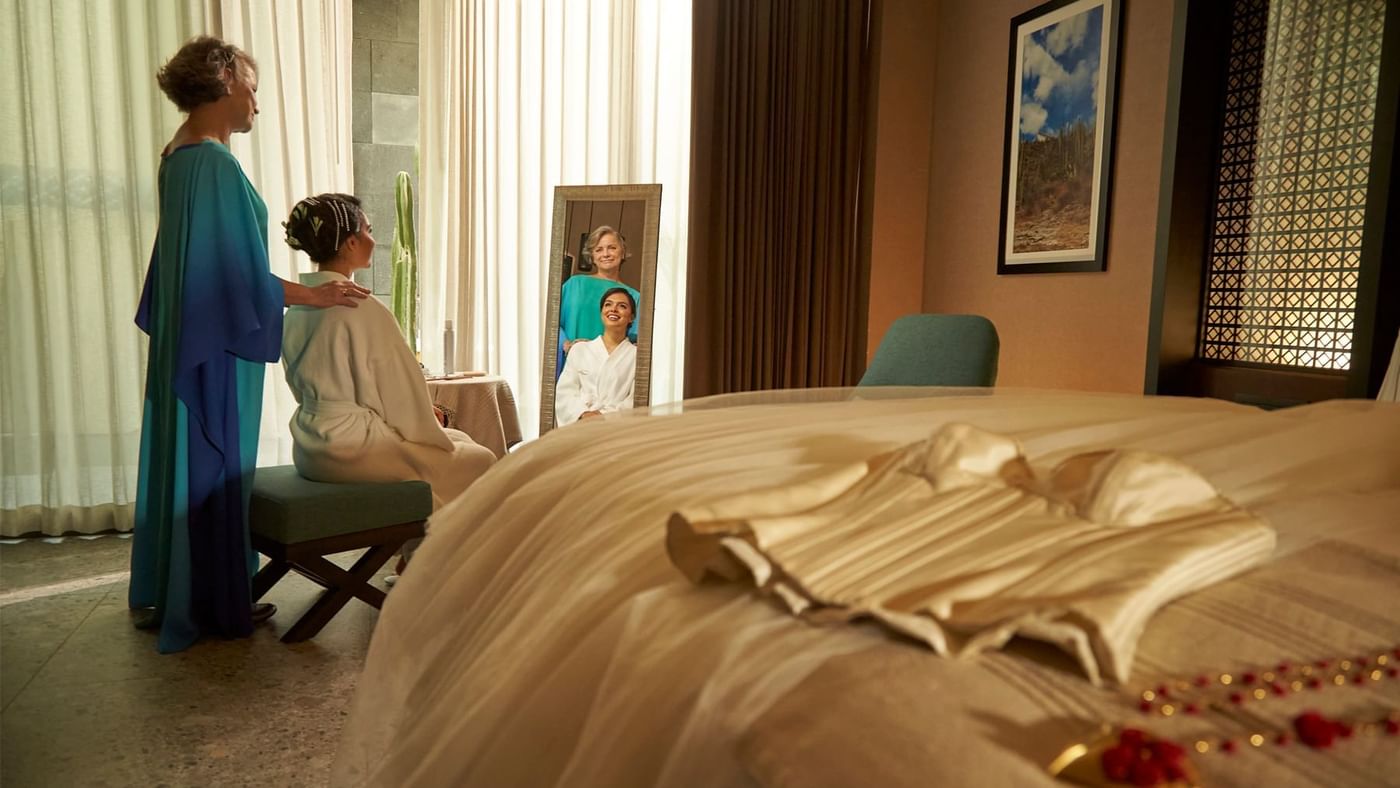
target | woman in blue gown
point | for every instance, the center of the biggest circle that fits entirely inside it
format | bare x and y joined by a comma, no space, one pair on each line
578,299
213,311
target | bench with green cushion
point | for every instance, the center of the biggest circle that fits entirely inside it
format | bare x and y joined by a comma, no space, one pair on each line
296,523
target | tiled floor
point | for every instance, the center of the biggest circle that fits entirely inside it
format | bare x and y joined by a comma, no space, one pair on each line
85,700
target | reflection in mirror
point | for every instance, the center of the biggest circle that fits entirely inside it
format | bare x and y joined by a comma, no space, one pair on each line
598,316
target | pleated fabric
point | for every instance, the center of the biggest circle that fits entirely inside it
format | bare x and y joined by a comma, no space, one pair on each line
959,542
775,290
213,311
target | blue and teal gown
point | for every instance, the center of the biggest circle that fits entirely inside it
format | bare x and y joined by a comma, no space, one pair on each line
213,311
580,311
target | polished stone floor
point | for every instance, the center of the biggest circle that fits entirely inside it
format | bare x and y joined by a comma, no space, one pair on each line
85,700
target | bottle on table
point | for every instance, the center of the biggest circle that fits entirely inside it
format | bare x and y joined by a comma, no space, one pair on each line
448,349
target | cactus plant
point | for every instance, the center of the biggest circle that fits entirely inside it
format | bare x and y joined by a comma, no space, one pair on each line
404,258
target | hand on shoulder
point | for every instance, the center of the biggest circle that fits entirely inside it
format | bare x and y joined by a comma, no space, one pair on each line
337,293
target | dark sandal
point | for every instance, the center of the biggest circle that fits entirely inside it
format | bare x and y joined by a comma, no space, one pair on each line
146,618
262,611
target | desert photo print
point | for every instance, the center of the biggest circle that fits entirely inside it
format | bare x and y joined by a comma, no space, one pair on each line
1056,142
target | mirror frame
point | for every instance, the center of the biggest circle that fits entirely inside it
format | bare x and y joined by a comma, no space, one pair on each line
650,194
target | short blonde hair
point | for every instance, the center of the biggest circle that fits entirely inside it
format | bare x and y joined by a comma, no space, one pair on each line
597,235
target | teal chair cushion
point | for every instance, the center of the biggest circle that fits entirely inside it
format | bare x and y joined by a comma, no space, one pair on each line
936,350
289,509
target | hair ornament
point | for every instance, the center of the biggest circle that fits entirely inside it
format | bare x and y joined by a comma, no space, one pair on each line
220,56
338,211
291,238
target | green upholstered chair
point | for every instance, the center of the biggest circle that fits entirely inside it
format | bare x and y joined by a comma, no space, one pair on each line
936,350
296,523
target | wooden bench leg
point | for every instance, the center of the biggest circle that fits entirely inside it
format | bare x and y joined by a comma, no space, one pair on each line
268,576
310,575
341,586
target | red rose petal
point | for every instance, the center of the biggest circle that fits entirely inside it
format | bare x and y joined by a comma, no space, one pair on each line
1314,730
1164,749
1117,762
1147,773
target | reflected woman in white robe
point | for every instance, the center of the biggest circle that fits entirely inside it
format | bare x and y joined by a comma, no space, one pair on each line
364,414
599,373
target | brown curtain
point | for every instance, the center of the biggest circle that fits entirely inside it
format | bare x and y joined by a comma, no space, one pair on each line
775,283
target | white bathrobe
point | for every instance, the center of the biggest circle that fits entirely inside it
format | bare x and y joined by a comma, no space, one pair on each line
364,412
595,379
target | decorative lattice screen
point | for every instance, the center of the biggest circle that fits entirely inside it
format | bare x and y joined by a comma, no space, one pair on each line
1295,155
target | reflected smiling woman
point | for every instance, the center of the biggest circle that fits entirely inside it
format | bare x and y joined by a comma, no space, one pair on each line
599,374
578,312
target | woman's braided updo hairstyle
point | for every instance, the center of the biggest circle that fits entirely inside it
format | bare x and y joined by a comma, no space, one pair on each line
196,74
320,225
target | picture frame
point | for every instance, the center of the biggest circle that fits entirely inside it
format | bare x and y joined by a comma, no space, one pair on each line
1061,97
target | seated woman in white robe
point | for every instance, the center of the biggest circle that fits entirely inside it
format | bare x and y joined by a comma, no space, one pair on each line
599,373
364,414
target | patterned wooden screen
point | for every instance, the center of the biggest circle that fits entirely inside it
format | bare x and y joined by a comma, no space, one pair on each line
1295,155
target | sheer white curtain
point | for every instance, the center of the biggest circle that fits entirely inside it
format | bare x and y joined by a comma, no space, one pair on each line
517,98
80,140
301,143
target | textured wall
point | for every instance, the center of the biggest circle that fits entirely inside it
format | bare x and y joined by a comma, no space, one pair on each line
385,103
1079,331
903,59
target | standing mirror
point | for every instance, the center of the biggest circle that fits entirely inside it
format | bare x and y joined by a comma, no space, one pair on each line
598,317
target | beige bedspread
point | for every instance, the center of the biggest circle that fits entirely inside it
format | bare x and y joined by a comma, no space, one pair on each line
542,637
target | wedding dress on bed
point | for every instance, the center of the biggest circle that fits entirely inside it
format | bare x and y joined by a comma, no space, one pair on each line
958,542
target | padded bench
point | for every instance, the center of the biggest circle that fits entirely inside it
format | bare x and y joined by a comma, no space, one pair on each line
296,523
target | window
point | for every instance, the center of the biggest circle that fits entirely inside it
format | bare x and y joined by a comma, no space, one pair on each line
1293,167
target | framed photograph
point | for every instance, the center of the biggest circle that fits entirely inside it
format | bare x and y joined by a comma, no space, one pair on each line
1059,137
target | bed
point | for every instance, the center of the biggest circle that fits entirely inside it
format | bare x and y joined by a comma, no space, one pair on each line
543,637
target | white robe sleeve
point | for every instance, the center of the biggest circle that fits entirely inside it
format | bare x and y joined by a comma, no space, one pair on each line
404,393
616,380
568,390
